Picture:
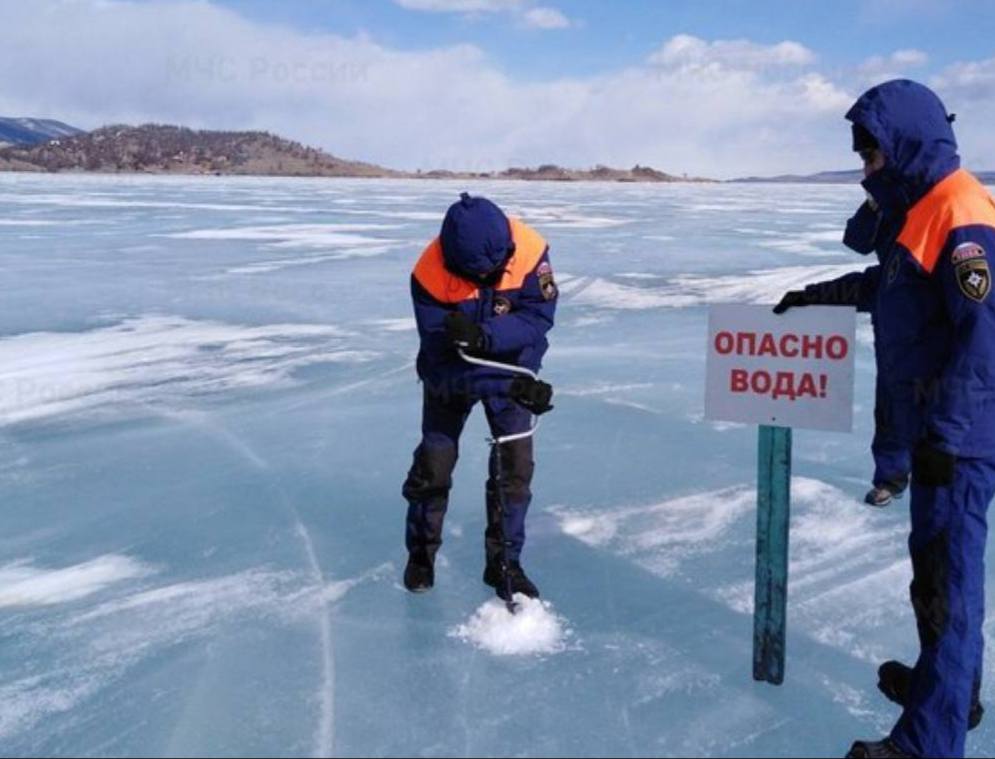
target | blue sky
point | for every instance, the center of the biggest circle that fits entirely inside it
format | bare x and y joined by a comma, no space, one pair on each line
610,34
717,89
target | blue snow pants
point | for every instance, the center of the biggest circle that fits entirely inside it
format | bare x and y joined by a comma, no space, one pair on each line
947,543
430,479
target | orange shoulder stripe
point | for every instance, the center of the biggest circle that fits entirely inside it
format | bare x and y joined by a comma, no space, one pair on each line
959,200
446,287
529,249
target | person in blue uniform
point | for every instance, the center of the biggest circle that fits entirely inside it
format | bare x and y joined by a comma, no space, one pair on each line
936,327
485,286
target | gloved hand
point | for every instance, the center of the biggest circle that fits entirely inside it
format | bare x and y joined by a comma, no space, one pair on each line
793,299
932,467
464,333
534,395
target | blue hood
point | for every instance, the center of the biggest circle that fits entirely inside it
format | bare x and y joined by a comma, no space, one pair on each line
476,238
914,131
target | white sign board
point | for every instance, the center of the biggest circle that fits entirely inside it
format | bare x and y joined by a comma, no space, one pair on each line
793,370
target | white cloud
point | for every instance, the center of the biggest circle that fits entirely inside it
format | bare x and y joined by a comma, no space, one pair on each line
546,18
912,58
975,80
687,52
460,6
881,68
533,17
716,108
968,89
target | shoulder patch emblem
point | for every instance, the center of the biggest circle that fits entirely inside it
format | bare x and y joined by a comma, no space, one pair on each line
975,279
969,251
502,306
547,284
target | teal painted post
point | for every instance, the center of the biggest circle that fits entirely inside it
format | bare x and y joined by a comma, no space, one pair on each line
773,513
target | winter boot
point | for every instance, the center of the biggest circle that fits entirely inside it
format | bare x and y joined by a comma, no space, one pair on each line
419,575
520,583
882,495
875,750
895,679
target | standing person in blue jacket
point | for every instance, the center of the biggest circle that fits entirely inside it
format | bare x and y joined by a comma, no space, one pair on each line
484,286
897,414
936,323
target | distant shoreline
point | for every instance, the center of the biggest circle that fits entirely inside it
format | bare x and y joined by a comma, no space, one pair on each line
412,178
169,150
165,149
510,175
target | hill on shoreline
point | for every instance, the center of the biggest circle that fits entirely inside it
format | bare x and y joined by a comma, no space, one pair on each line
166,149
48,146
163,149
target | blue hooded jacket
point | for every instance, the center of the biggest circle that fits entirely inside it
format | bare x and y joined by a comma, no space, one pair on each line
934,313
495,271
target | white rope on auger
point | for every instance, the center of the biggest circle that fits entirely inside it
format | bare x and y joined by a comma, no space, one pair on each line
512,369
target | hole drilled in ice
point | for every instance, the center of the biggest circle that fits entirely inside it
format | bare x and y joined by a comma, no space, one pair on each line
534,629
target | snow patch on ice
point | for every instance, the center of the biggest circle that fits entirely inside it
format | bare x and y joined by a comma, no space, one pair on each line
154,358
295,235
603,388
534,630
594,530
335,591
685,291
661,536
566,217
395,325
849,567
96,200
22,584
99,646
270,266
806,243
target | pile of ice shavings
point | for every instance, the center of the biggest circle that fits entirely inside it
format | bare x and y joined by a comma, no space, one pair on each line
534,629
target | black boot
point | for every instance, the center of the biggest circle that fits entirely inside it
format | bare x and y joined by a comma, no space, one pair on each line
895,680
875,750
419,575
520,583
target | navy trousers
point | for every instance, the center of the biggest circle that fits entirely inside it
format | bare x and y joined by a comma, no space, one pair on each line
430,479
947,543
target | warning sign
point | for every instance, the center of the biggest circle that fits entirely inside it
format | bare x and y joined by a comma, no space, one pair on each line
794,370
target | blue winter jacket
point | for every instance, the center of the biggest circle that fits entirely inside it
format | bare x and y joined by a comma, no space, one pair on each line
934,312
515,314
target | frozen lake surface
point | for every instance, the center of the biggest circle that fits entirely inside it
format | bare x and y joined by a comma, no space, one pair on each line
207,408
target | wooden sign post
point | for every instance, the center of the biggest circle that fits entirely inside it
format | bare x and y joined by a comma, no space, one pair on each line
773,515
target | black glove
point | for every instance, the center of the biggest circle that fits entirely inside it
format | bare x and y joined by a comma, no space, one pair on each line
931,467
532,394
793,299
464,333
